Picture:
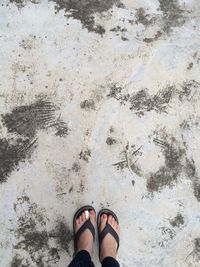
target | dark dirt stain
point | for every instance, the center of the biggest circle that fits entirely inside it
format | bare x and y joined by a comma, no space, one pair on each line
111,141
176,164
133,183
76,167
62,129
71,189
124,38
191,172
84,11
88,104
13,151
17,262
152,39
190,66
62,234
167,234
111,130
196,189
116,93
33,237
118,29
197,244
85,155
173,15
136,169
188,90
22,3
25,121
142,101
168,174
177,221
190,122
143,18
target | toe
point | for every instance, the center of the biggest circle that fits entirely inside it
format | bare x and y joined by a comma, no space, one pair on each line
80,219
83,216
92,217
110,219
113,222
103,221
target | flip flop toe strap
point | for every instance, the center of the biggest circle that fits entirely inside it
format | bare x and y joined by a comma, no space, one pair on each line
109,230
86,225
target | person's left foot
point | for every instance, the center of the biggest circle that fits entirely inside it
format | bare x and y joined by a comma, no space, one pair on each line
85,241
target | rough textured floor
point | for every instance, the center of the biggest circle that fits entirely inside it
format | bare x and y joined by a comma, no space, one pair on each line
100,104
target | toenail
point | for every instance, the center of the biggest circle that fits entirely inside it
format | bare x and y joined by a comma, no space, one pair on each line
87,215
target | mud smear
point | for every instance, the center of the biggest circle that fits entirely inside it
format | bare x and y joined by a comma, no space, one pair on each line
120,31
63,235
88,104
152,39
13,151
189,90
17,262
197,244
177,221
24,122
190,170
172,14
22,3
168,174
84,11
62,129
111,141
167,235
177,164
76,167
116,93
143,18
85,155
142,102
34,238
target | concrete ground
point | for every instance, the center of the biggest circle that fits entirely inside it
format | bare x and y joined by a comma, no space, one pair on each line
100,104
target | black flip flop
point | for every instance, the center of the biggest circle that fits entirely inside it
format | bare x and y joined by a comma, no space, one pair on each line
86,225
108,228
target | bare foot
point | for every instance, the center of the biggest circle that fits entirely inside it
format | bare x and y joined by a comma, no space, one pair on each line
85,241
108,245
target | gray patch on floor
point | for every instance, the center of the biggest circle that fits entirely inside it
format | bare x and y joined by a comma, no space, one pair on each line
84,11
25,121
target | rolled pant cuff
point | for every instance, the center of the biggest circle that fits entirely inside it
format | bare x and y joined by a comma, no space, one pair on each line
83,255
110,261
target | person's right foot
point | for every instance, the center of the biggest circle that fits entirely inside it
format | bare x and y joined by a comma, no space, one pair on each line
108,245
